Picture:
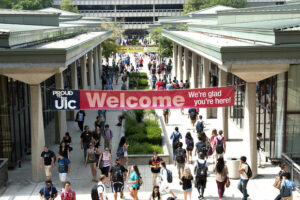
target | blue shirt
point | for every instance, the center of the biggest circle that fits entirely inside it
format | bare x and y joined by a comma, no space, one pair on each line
175,133
63,165
289,184
48,193
134,177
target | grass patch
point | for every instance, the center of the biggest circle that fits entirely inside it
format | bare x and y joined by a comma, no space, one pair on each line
144,148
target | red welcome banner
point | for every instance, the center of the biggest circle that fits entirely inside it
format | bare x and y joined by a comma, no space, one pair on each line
191,98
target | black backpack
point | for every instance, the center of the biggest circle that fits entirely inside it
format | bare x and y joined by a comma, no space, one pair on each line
153,71
219,147
199,126
117,174
193,116
169,176
190,143
94,192
249,172
176,141
201,171
202,148
180,156
120,152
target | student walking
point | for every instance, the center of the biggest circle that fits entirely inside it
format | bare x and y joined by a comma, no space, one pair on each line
63,168
175,137
201,146
80,119
117,176
220,145
68,193
155,195
135,177
122,151
244,177
180,159
287,187
108,135
280,177
154,164
189,141
259,150
200,125
47,158
166,113
105,163
200,170
193,115
101,189
214,134
221,171
48,192
85,140
164,184
91,159
187,181
63,150
67,139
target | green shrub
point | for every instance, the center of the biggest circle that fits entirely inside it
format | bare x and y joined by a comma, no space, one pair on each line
144,148
139,115
140,87
142,82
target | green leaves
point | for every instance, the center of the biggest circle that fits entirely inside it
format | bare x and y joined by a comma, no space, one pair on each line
110,48
164,44
67,5
25,4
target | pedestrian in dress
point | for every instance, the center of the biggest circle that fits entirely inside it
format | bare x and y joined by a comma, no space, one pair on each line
221,171
187,181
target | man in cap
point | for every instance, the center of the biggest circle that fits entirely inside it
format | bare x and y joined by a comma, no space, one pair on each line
48,192
117,176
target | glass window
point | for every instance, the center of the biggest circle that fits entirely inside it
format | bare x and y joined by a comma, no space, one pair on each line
293,133
293,103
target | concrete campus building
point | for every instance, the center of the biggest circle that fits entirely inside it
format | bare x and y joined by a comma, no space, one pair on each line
41,50
256,50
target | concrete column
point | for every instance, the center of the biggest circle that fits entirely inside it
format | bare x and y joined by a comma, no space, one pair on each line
91,70
223,111
205,81
175,58
199,72
37,132
83,73
153,13
96,67
60,116
179,70
249,140
115,8
194,70
186,63
100,59
74,85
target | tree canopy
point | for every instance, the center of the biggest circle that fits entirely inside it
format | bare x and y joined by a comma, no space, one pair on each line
165,46
194,5
26,4
68,5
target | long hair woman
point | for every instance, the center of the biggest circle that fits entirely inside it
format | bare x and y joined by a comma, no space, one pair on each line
155,195
91,158
221,176
135,176
122,151
187,182
189,141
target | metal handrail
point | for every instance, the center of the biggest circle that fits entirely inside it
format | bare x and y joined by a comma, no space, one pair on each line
131,11
295,168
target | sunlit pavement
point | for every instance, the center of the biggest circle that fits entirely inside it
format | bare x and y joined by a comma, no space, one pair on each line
22,188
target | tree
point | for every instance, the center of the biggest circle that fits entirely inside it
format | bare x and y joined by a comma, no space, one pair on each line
67,5
26,4
165,46
194,5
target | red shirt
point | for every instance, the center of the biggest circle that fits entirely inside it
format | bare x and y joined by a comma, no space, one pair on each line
68,195
141,61
158,84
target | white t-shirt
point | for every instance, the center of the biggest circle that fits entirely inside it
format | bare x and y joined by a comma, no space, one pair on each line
164,176
101,190
244,173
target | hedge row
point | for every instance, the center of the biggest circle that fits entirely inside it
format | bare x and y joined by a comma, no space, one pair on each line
144,148
141,78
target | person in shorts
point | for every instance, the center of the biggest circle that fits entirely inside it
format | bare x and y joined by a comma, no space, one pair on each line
117,175
135,176
180,159
187,181
47,157
63,168
101,188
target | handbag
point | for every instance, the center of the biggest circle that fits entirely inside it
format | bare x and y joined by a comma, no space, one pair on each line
101,162
227,182
285,191
277,183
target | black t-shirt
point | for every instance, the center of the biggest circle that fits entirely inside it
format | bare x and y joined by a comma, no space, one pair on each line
97,124
47,157
156,162
186,182
86,137
118,167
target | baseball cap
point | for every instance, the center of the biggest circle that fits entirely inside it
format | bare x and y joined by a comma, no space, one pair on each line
48,182
118,160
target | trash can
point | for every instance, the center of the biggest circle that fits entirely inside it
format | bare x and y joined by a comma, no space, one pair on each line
233,167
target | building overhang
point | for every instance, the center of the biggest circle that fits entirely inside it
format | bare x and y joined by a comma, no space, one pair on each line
36,64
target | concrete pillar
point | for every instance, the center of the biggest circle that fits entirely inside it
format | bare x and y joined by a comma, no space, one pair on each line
96,67
60,115
186,63
249,140
74,85
175,58
206,81
223,111
115,8
199,72
153,13
37,132
194,70
83,73
91,70
179,70
100,59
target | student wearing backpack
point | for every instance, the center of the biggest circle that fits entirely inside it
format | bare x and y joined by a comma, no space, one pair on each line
200,125
189,141
165,176
135,181
200,170
180,159
68,193
245,174
287,187
117,176
220,145
187,182
122,151
201,146
101,191
63,168
193,115
175,137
